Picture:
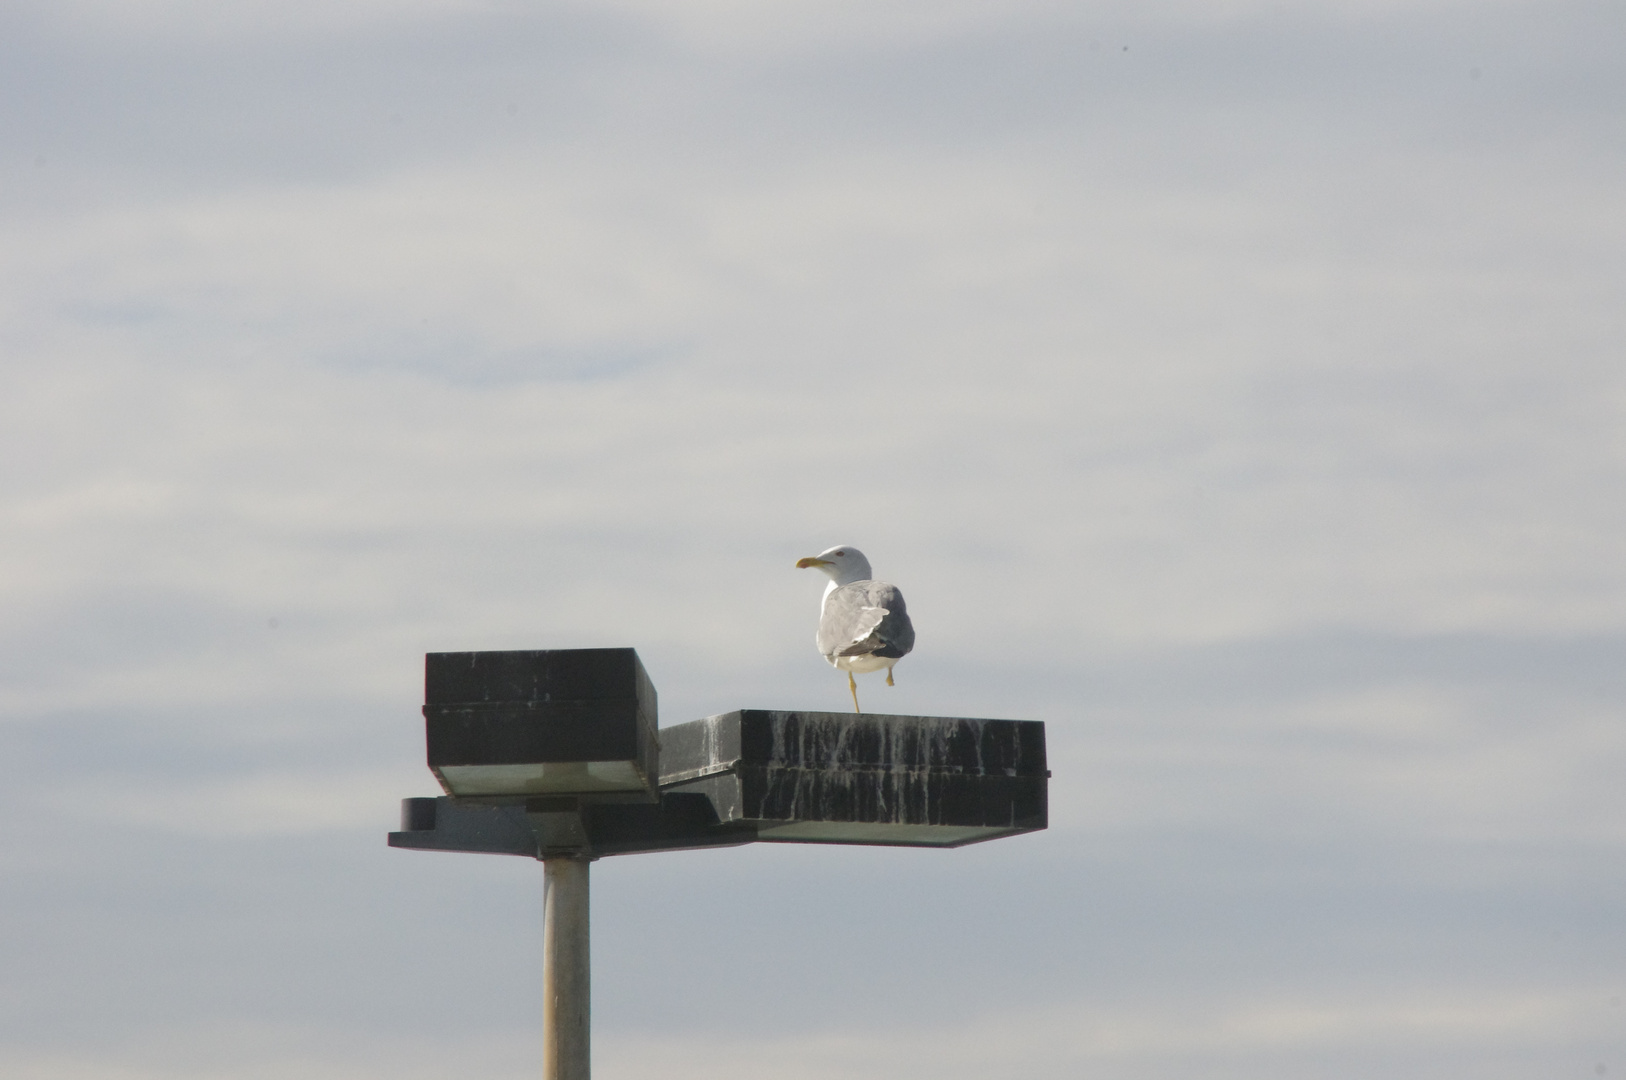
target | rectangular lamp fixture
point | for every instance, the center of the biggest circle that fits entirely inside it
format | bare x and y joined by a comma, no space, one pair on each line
504,726
845,778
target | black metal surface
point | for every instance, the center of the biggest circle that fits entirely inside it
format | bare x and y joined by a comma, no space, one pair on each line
536,675
552,705
448,824
680,820
804,777
516,733
915,772
544,827
836,741
417,815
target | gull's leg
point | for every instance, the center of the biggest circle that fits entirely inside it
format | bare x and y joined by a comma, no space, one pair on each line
889,681
852,685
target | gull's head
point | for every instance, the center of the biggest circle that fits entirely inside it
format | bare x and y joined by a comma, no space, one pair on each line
843,564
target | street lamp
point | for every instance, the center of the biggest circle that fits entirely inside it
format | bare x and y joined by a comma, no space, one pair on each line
555,754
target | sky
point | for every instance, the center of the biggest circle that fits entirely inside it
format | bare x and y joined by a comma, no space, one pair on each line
1237,387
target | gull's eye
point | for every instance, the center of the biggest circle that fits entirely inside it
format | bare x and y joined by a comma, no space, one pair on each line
839,554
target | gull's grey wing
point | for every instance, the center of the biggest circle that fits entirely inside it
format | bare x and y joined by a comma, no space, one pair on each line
865,618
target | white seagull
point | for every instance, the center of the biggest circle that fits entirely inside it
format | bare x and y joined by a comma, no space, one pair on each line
863,624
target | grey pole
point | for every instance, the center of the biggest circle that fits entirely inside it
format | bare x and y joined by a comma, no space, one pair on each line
566,996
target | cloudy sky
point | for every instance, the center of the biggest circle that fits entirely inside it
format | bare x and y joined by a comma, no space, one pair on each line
1236,386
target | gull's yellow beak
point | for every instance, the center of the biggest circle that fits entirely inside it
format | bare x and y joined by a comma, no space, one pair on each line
803,564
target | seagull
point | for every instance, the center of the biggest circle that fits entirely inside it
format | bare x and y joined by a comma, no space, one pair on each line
863,624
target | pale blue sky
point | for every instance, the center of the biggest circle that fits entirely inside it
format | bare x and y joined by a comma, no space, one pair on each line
1236,387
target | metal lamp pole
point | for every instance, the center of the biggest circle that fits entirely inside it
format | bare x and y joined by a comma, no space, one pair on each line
566,990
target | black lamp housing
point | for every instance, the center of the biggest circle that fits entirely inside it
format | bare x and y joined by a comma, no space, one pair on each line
508,726
556,752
